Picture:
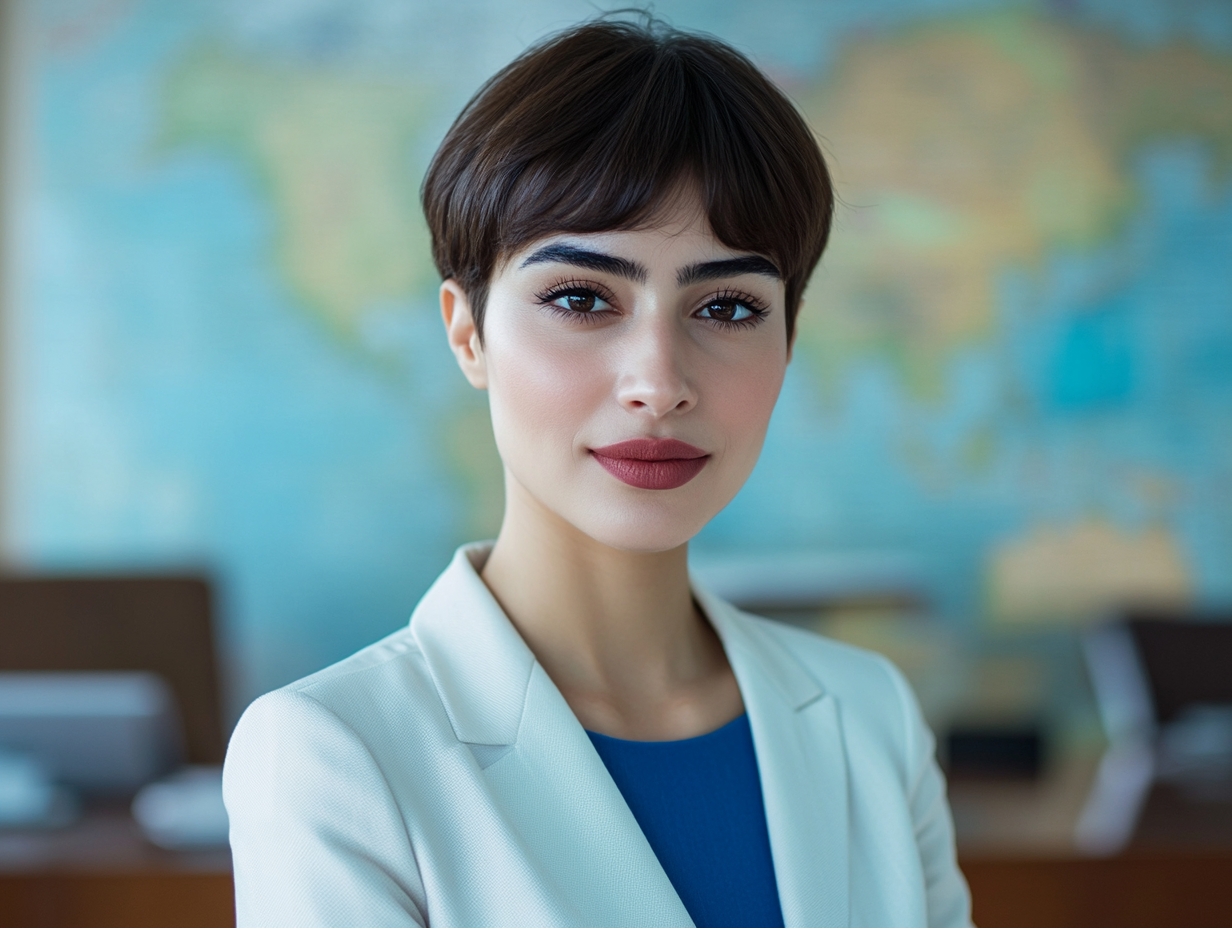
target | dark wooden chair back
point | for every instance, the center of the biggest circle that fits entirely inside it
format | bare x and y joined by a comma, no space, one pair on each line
162,624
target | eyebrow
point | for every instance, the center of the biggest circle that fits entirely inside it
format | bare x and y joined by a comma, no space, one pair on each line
590,260
631,270
728,267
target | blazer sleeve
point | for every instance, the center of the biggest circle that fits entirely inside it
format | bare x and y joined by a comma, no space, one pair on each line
948,899
316,837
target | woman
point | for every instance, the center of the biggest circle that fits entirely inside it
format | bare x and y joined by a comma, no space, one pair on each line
569,733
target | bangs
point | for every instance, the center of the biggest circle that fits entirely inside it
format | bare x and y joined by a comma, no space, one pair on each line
602,128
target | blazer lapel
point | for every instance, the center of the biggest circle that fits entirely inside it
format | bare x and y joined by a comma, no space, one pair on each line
581,842
577,826
478,661
802,761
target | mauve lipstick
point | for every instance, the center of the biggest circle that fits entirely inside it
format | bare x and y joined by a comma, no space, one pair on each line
652,463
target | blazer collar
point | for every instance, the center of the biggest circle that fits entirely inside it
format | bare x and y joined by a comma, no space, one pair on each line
483,671
752,653
482,667
478,661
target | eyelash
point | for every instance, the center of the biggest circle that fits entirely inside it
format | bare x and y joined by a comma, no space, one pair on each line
573,287
755,306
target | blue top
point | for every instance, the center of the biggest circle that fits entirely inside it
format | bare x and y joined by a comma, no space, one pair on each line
699,804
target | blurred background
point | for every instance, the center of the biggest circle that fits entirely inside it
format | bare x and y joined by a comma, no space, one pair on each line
1003,454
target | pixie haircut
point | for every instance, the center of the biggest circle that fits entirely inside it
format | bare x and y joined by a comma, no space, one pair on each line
598,129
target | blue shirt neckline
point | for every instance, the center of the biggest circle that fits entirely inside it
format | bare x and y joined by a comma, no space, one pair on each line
698,802
678,741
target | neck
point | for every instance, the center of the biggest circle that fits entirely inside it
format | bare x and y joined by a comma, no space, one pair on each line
616,630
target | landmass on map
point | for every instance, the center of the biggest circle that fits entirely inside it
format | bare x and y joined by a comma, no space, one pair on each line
1076,571
969,146
331,153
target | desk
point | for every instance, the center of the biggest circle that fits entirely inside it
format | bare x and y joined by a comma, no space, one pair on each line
1172,889
1016,845
101,873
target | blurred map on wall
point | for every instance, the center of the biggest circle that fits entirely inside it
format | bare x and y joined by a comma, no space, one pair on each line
1015,364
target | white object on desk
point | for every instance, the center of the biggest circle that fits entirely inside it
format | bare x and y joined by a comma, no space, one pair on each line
184,810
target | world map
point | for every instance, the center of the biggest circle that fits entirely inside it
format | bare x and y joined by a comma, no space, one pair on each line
1014,365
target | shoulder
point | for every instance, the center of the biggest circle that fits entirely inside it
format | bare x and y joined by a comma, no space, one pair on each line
313,801
348,707
393,663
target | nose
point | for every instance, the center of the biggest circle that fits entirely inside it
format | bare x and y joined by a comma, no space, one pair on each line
653,378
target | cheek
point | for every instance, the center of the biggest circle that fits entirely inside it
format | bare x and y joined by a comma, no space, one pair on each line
743,399
538,386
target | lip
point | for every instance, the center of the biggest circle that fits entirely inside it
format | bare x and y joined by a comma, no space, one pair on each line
652,463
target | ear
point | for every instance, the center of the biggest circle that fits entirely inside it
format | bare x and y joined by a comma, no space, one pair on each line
462,334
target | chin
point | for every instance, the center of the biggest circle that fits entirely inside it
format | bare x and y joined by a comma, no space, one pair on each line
645,525
640,536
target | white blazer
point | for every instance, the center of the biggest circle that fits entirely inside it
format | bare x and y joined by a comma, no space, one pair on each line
439,778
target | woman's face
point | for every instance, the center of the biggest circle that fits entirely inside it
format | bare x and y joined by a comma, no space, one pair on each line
631,375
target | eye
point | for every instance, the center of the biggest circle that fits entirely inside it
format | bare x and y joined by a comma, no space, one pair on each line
731,311
582,302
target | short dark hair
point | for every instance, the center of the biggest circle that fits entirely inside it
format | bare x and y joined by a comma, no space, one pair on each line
594,129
